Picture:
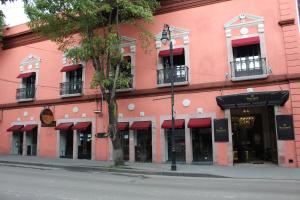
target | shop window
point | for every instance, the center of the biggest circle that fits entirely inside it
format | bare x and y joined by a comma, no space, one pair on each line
179,66
27,89
73,84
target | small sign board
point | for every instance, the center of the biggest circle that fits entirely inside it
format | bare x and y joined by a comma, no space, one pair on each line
285,127
102,135
221,130
47,118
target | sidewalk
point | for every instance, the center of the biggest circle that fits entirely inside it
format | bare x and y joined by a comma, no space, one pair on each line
241,171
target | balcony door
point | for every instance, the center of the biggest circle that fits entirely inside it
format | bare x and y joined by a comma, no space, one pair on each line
74,81
247,60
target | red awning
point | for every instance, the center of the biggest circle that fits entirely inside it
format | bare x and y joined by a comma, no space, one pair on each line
143,125
199,123
29,127
245,41
122,126
179,123
70,68
64,126
15,128
25,75
82,126
176,52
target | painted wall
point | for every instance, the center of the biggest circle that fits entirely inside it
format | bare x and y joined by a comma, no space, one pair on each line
208,63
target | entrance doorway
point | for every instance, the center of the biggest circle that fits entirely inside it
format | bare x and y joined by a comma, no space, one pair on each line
253,135
143,148
17,143
66,144
84,143
202,144
125,144
31,141
179,137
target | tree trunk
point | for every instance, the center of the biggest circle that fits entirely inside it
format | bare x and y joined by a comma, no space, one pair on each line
114,134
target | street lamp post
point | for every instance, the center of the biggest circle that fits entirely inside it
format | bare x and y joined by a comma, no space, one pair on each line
166,36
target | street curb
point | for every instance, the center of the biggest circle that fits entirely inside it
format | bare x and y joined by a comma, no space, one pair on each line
115,170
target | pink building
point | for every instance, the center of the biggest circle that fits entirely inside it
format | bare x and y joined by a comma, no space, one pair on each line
237,90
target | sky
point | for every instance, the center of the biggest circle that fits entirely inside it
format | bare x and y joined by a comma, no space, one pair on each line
14,13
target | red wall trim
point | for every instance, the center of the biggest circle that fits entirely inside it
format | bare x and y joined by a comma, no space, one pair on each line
203,87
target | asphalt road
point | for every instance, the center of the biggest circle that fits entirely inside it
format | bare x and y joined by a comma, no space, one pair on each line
32,183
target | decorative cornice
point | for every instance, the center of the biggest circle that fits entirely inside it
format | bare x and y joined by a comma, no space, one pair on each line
202,87
167,6
21,39
287,22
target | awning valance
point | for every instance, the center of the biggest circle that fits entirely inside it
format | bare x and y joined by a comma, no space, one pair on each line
176,52
253,99
245,41
199,123
122,126
179,123
70,68
25,75
64,126
140,125
29,127
82,126
15,128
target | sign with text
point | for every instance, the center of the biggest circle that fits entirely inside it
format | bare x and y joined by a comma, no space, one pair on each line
285,127
221,130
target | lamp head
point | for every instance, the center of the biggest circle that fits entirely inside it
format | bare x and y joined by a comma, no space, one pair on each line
165,34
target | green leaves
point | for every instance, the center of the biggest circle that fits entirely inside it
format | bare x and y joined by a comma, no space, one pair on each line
89,30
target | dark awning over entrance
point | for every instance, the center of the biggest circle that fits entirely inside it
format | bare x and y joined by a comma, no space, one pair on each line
199,123
178,123
82,126
29,127
140,125
15,128
64,126
253,99
122,126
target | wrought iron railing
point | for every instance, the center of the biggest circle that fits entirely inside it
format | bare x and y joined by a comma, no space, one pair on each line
181,75
69,88
248,66
26,92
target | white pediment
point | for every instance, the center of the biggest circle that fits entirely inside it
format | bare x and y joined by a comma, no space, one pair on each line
244,19
127,41
30,60
175,33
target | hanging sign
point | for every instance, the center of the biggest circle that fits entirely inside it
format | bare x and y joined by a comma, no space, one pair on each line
102,135
47,118
221,130
285,127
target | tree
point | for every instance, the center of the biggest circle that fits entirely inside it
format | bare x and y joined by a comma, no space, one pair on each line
89,30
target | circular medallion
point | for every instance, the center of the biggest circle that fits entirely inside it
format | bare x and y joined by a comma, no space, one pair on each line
186,102
47,117
131,106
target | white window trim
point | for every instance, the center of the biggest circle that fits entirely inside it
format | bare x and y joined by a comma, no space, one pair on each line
177,33
65,64
34,61
256,21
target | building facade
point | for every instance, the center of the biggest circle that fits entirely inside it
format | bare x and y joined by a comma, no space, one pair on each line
237,89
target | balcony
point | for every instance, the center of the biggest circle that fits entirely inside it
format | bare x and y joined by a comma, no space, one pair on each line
181,76
25,94
247,68
125,84
71,89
